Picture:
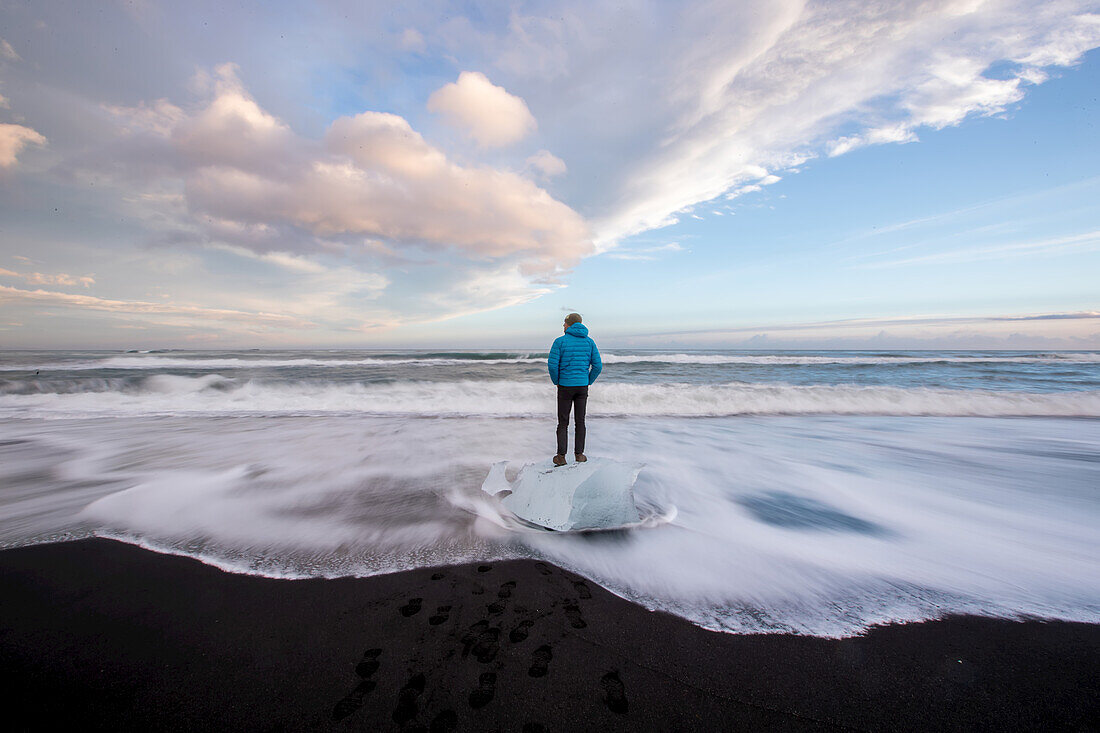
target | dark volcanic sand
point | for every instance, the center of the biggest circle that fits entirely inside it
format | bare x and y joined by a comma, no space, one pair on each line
99,634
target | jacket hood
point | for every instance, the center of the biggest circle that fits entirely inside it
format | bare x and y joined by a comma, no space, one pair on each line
577,329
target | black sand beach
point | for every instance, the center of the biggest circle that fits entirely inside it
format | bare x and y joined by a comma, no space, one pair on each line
101,635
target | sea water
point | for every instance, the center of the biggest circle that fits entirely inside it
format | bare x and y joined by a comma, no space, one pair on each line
806,492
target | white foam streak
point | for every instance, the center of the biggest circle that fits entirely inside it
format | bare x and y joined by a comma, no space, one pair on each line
217,395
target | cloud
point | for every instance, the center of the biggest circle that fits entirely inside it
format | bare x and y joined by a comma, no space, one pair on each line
545,164
503,287
13,138
158,118
739,90
88,302
1082,315
38,278
1043,246
644,253
412,40
331,295
487,113
878,136
7,52
231,132
248,177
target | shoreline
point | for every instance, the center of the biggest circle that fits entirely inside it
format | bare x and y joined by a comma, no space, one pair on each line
102,634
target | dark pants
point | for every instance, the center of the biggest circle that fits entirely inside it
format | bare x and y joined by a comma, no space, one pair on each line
575,398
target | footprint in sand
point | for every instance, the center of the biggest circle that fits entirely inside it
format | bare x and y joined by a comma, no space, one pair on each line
368,665
543,568
505,592
353,701
484,568
412,607
481,640
406,699
614,693
441,614
486,688
573,613
438,576
582,589
540,661
521,631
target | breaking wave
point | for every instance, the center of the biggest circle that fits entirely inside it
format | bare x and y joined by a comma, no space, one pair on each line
219,395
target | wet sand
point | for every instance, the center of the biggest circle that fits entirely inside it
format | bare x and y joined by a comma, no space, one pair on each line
98,634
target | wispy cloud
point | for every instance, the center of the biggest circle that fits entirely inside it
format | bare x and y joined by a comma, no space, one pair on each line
759,93
1083,315
7,53
136,307
644,253
1086,241
39,278
865,323
1017,202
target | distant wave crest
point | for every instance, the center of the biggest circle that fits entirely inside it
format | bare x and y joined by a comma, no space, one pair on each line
222,363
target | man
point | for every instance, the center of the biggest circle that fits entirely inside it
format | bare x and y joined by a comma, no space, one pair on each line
574,364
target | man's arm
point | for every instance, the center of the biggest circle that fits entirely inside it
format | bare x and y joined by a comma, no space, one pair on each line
596,364
552,363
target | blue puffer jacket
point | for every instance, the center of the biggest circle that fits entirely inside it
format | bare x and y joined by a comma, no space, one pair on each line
574,359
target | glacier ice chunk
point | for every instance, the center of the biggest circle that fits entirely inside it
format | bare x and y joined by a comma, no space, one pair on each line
597,494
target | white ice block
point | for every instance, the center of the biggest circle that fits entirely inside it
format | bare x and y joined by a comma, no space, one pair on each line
597,494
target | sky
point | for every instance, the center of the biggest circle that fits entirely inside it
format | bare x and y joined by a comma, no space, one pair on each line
780,174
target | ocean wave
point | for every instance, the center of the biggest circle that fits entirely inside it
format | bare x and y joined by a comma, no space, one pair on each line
202,362
223,363
214,394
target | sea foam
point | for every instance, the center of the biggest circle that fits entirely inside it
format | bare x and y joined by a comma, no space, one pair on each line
813,525
219,395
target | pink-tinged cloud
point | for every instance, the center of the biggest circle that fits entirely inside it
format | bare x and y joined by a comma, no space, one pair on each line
138,307
485,112
545,164
372,174
13,138
39,278
7,53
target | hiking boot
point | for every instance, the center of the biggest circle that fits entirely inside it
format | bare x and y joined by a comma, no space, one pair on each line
580,457
559,460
